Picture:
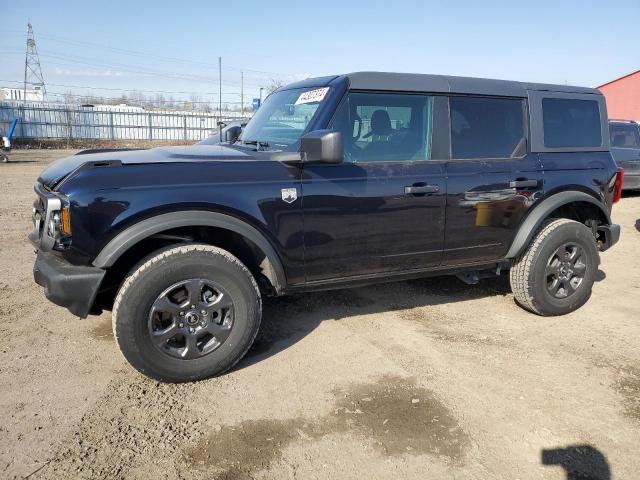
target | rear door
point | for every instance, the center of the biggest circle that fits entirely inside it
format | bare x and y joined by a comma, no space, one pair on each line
382,209
491,179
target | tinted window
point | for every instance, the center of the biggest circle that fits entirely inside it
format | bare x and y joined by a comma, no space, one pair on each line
571,123
486,127
385,127
624,135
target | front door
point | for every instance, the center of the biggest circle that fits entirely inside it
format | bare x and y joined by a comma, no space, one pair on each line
382,209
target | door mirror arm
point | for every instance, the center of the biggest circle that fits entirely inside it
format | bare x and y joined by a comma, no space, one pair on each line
232,134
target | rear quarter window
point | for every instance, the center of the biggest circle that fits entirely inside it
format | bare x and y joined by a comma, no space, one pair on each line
571,123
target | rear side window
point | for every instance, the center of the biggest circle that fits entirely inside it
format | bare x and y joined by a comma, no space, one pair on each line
571,123
624,135
487,127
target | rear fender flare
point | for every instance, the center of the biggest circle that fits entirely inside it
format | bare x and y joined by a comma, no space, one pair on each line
542,211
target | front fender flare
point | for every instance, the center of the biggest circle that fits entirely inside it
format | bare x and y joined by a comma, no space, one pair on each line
166,221
542,211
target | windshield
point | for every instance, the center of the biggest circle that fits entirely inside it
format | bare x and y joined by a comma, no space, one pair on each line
283,118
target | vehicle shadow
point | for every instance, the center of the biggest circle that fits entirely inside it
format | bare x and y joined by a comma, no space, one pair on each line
638,224
287,320
23,161
580,462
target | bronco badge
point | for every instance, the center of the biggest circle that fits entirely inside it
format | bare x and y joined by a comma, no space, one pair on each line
289,195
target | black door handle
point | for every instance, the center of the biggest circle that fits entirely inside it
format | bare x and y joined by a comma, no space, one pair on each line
523,183
417,189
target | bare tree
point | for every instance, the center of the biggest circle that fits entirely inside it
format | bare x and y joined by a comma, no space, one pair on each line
159,101
137,99
274,84
69,97
195,101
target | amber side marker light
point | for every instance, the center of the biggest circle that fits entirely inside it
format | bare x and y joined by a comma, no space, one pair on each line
66,221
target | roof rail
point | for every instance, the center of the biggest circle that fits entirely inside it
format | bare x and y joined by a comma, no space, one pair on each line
622,120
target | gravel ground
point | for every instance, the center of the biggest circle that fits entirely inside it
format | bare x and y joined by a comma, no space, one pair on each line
421,379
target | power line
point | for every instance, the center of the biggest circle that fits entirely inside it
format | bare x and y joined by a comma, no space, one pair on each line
137,100
194,92
146,54
72,59
137,53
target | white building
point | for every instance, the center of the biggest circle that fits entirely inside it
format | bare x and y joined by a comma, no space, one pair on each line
32,94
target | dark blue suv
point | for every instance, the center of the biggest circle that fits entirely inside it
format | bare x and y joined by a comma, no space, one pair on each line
336,181
625,148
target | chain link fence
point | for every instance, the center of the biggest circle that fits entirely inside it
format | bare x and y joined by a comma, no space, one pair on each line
53,121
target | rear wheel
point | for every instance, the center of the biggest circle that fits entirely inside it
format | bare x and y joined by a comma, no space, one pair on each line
555,274
187,313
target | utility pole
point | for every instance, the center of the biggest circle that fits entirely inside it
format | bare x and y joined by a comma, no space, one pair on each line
32,71
220,89
261,88
241,93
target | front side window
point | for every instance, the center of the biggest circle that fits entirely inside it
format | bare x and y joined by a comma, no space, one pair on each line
571,123
379,127
484,127
283,118
624,135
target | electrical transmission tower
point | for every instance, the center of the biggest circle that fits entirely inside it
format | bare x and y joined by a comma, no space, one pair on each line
32,71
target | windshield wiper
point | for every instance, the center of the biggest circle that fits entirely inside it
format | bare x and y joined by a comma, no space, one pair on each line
257,143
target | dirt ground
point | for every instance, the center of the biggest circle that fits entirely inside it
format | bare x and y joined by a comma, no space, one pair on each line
421,379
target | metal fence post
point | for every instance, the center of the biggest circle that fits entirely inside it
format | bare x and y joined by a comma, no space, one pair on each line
150,128
22,120
184,122
113,132
69,125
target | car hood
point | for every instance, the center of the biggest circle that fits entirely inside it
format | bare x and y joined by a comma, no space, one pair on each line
60,169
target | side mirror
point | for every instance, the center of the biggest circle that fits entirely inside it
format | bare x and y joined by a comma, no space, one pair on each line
322,146
232,133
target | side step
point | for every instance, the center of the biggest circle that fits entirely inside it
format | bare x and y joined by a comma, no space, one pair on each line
472,277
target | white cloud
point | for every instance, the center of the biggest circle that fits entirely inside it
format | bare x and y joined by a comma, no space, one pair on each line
66,72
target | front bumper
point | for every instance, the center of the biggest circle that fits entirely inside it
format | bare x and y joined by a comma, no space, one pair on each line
610,235
70,286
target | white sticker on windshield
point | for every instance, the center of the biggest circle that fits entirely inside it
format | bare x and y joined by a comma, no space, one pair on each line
312,96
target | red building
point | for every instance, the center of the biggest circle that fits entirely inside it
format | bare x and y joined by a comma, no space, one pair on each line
623,97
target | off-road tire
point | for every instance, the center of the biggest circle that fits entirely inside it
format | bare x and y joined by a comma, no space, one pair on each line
527,275
142,286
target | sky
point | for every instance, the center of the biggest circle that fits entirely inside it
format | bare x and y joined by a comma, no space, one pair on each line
110,47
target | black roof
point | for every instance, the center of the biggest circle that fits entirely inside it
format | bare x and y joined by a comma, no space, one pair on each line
415,82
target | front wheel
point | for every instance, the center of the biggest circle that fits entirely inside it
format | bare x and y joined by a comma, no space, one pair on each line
555,274
187,313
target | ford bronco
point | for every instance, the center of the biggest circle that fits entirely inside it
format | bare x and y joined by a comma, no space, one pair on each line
336,181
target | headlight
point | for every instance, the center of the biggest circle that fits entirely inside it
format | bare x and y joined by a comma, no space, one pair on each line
59,225
55,230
